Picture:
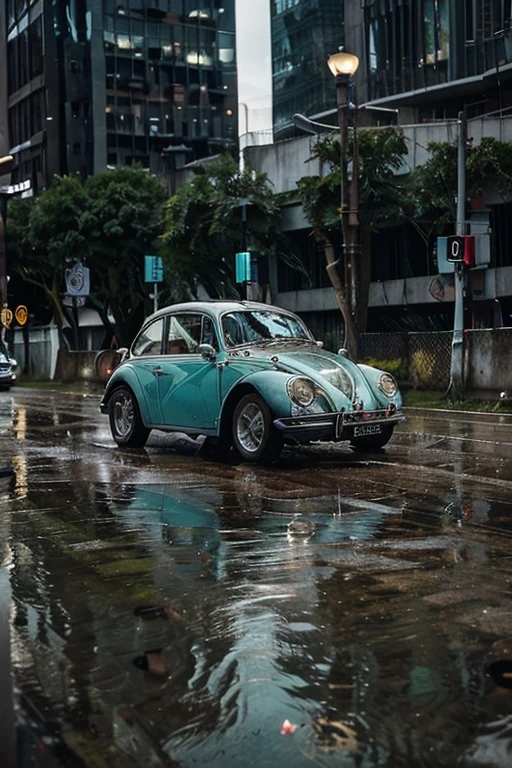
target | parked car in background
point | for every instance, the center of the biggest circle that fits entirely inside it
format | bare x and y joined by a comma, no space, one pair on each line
250,375
8,366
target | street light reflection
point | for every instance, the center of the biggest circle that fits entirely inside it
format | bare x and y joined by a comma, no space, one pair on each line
19,425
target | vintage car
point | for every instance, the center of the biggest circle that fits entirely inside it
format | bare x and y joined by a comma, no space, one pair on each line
250,375
7,369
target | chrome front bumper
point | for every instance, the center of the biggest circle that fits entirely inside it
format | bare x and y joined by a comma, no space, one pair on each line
334,426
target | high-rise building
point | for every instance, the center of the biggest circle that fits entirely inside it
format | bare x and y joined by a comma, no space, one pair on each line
93,84
437,55
304,34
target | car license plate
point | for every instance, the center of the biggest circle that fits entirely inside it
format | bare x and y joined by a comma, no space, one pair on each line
367,429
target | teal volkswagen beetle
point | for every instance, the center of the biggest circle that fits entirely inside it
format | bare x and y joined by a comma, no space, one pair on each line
250,375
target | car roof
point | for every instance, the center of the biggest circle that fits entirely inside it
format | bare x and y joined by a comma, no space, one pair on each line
217,307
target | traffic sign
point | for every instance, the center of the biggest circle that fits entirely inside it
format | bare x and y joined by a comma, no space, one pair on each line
455,248
153,269
243,267
77,280
6,317
21,314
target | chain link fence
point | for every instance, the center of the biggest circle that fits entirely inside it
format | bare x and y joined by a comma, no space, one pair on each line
421,360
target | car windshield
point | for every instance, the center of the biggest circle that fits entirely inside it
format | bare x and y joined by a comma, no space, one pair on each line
255,327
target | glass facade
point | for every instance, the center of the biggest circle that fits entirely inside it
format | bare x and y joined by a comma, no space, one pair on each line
414,44
304,34
25,88
170,79
148,81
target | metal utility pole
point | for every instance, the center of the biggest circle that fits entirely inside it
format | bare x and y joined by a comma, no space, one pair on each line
457,362
5,167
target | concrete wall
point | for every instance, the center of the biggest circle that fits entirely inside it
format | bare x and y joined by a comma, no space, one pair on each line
430,289
43,349
287,161
76,366
488,358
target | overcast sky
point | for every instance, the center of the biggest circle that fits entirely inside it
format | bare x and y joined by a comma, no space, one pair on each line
254,64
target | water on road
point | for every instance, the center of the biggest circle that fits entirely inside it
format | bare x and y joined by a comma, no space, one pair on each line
336,609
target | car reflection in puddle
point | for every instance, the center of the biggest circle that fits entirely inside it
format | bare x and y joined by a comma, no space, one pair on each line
189,526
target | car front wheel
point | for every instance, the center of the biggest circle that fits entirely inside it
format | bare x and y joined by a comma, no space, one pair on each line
126,423
254,435
373,442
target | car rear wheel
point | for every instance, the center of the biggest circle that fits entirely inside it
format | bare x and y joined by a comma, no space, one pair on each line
373,442
126,423
254,435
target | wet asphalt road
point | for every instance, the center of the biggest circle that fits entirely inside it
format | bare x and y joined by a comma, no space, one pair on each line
169,609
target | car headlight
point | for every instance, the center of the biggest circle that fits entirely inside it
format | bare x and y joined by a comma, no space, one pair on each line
301,391
388,384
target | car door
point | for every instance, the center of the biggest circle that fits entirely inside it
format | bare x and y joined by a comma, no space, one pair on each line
146,359
189,385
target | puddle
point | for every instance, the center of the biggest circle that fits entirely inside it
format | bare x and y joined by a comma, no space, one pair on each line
167,609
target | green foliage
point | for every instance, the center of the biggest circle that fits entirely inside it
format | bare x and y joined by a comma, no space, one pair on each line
491,159
203,227
382,194
123,220
109,222
397,366
434,184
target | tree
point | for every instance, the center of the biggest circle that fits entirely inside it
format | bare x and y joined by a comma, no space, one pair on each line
434,184
108,222
381,153
44,233
123,221
204,227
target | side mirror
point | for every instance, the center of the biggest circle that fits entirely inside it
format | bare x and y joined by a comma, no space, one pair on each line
123,354
207,351
343,352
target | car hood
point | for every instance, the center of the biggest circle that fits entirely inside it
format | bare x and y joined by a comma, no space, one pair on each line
315,362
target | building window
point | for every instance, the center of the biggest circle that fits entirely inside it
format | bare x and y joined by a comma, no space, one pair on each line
436,31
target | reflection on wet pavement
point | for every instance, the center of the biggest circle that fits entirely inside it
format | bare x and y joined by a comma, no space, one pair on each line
168,609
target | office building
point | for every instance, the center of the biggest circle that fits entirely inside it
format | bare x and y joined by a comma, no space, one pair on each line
92,84
438,55
304,34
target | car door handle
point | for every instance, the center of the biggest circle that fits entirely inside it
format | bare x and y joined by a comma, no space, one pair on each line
157,370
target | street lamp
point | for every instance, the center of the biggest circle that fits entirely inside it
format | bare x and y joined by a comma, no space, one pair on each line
343,66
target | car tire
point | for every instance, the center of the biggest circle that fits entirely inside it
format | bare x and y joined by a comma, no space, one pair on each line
373,442
126,423
254,435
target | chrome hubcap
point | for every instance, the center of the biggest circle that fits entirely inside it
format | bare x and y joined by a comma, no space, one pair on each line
123,415
250,428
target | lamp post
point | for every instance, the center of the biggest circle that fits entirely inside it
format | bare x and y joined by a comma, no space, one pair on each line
343,66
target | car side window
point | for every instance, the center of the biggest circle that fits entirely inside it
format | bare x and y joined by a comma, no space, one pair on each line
208,335
184,334
149,342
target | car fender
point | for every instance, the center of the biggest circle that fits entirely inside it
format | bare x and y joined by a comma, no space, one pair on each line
372,376
125,374
270,384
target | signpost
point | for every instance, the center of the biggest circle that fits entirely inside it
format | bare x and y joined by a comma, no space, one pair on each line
153,273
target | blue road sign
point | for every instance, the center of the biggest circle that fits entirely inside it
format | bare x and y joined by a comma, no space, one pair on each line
243,267
153,269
